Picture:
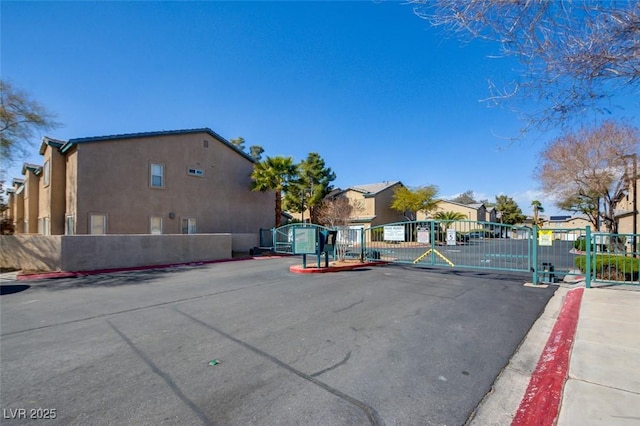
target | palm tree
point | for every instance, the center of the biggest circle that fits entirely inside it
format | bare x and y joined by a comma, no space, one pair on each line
537,208
450,216
273,174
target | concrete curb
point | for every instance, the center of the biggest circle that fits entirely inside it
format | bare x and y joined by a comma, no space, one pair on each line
541,402
76,274
298,269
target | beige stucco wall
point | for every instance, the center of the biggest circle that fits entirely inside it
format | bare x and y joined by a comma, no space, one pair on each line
242,243
31,201
625,221
89,252
383,211
31,252
576,222
377,205
112,178
470,213
71,182
18,211
52,195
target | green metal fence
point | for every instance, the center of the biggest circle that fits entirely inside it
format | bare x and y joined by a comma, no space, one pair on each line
556,252
550,255
460,244
614,260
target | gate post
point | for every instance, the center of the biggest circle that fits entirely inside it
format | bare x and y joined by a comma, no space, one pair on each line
273,239
587,265
534,234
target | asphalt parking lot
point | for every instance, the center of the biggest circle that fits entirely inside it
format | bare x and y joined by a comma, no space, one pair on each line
385,345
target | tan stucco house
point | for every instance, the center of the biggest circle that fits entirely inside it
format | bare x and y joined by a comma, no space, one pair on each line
375,202
167,182
475,212
626,209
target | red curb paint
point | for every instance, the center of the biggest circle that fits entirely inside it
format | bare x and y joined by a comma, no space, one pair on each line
541,402
298,269
75,274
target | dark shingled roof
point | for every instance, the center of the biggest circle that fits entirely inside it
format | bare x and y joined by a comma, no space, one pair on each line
71,142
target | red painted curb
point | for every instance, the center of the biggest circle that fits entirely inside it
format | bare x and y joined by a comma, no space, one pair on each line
298,269
75,274
541,402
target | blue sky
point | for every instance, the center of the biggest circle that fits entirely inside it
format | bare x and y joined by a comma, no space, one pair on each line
372,88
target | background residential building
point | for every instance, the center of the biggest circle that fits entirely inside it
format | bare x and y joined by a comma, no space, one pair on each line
169,182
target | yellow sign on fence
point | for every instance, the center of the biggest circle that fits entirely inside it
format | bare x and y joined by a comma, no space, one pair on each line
545,237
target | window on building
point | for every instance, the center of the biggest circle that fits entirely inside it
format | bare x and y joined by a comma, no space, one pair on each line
69,226
97,224
46,171
157,175
155,225
188,226
193,171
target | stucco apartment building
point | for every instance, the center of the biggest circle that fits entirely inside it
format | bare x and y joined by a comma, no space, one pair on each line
626,209
476,212
375,202
167,182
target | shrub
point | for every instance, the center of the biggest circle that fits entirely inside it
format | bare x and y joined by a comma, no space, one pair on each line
611,267
580,245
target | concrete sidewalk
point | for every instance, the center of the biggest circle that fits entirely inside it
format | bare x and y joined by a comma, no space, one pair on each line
603,387
593,380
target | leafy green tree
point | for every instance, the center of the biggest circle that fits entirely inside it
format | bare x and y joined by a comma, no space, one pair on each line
466,197
274,174
312,184
510,213
20,118
255,151
410,202
238,142
587,205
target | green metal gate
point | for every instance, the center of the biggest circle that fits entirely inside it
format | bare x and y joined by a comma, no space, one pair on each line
550,255
459,244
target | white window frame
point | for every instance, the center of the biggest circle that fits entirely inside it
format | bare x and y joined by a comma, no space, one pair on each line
190,225
93,226
46,171
152,175
155,229
69,225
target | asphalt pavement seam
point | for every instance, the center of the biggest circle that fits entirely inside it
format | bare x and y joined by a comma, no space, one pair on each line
350,306
333,367
372,415
164,376
126,311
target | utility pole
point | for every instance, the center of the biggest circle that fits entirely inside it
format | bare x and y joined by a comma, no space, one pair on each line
634,188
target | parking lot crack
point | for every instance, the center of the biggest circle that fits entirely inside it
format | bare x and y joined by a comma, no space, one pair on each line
350,306
334,366
372,415
164,376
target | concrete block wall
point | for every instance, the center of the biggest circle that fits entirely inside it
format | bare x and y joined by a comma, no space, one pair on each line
94,252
